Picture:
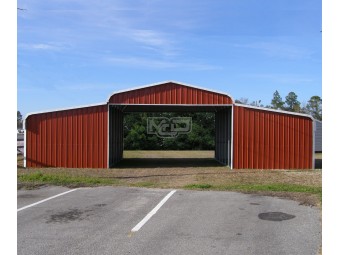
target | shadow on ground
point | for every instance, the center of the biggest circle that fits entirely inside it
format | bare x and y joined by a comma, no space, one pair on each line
167,162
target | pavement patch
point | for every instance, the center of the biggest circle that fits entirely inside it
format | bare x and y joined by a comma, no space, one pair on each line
276,216
74,214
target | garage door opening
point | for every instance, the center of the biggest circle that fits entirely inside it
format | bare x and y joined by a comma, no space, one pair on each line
160,136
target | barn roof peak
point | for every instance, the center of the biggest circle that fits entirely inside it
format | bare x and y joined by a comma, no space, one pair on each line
169,82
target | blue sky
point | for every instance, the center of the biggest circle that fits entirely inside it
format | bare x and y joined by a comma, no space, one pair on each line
73,52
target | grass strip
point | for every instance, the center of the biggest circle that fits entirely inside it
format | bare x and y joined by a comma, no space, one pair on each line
278,187
144,184
60,179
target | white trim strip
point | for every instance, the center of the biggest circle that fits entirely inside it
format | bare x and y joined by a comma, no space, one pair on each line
274,110
164,82
313,149
153,212
44,200
108,136
193,105
232,139
25,132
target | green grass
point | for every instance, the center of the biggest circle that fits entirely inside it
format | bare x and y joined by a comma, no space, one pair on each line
199,186
144,184
259,187
63,179
60,179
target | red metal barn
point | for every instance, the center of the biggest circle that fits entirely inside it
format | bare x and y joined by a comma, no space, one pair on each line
246,137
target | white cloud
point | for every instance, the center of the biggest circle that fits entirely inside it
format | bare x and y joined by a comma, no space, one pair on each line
85,87
151,40
278,78
149,37
41,46
277,49
159,64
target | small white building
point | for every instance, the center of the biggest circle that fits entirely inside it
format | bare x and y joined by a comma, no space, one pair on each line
318,135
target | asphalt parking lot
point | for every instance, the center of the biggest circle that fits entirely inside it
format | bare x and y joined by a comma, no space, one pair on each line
104,220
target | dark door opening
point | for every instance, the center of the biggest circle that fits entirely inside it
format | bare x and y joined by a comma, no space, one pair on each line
210,132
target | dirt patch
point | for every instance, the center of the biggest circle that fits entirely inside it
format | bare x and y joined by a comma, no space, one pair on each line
30,185
66,216
302,198
168,154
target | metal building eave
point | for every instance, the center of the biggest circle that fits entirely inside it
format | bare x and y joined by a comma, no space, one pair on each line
170,81
274,110
64,109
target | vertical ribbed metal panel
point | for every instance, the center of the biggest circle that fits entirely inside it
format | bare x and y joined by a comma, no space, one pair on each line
116,136
169,93
318,135
75,138
271,140
223,136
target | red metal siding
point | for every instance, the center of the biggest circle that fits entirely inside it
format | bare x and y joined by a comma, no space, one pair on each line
271,140
69,138
169,93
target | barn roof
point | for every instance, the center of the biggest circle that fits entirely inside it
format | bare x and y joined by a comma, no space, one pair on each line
171,93
171,96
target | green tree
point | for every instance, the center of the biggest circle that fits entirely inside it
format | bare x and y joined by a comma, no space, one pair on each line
292,104
202,135
277,102
314,107
242,100
19,120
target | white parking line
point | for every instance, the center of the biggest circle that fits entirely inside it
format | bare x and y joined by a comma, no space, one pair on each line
44,200
154,210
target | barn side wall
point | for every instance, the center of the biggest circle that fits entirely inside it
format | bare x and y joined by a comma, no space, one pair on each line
271,140
75,138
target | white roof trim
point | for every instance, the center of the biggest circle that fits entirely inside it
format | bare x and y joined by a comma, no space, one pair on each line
64,109
194,105
163,82
274,110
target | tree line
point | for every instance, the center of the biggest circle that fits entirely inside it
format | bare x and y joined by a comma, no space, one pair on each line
291,104
201,137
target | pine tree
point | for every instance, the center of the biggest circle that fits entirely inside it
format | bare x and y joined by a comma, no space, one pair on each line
277,102
314,107
19,120
292,104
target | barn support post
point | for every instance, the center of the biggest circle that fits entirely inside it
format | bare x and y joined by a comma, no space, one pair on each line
116,135
223,136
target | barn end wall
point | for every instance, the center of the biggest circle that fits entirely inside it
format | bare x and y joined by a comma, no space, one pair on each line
271,140
170,93
74,138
